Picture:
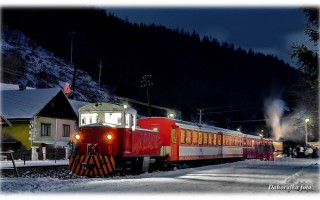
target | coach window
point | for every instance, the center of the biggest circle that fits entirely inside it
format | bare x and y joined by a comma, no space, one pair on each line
219,139
194,137
188,137
214,139
200,138
210,138
223,140
183,136
233,140
205,138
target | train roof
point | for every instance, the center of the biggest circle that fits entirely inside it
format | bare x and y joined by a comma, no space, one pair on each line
199,127
101,106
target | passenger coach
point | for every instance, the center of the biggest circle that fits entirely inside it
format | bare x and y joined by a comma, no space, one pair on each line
183,141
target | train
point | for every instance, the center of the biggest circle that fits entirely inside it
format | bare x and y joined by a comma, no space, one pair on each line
111,140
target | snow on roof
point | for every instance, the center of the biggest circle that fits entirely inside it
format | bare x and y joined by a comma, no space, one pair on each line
6,86
16,104
77,104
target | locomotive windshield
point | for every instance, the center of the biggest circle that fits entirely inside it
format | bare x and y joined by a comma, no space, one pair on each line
103,118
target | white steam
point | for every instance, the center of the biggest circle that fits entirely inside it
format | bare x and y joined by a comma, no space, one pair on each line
274,109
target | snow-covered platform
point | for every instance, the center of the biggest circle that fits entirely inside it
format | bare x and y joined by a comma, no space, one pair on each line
33,163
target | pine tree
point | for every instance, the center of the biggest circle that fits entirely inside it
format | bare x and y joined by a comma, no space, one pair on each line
307,61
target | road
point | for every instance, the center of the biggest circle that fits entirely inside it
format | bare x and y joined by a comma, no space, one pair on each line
285,175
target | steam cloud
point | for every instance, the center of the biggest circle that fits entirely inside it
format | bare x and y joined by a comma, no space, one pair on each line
274,109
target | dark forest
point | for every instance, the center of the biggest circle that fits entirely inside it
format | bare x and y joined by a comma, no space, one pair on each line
188,72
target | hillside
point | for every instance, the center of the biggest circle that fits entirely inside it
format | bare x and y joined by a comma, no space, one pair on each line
29,64
189,72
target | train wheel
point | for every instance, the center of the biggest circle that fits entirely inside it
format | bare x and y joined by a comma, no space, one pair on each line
92,165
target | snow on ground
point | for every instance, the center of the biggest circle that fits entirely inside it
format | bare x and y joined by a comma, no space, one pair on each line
250,176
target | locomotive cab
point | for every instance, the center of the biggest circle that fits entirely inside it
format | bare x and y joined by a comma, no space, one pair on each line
102,126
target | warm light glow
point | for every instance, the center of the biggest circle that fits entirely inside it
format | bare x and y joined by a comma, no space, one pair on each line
125,106
109,137
77,136
307,120
261,135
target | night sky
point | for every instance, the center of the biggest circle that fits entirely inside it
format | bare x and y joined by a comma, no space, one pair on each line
269,30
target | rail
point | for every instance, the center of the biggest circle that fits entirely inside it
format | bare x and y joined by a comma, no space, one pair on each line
10,152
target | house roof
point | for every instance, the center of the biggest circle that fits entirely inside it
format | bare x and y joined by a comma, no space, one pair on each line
4,121
76,105
16,104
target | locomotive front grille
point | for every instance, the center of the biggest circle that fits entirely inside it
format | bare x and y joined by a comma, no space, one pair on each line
92,149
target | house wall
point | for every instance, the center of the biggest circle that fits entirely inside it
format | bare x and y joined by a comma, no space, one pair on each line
45,139
18,132
62,141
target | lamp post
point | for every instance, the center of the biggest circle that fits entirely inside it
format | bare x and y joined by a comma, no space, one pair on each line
306,126
146,83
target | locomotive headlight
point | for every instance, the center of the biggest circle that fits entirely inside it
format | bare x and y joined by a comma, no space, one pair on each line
77,136
109,136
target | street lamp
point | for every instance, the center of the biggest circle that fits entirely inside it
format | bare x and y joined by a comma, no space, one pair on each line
146,83
306,126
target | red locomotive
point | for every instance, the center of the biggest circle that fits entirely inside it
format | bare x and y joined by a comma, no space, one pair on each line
110,140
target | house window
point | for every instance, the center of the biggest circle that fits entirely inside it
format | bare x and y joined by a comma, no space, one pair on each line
45,129
66,130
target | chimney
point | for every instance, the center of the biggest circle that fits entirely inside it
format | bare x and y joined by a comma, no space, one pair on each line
22,87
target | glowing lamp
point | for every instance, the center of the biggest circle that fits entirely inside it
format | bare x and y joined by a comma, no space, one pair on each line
77,136
109,137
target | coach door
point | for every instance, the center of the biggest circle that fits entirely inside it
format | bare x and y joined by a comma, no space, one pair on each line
129,128
174,143
220,144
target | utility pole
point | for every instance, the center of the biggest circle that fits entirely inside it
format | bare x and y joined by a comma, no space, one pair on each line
146,82
73,85
200,117
100,67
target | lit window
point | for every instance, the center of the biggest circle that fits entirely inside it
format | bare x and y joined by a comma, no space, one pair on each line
173,136
89,118
205,138
182,136
112,118
200,138
188,137
210,138
194,137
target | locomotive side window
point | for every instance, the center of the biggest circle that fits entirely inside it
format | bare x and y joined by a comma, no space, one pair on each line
194,137
112,118
188,137
183,136
210,138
